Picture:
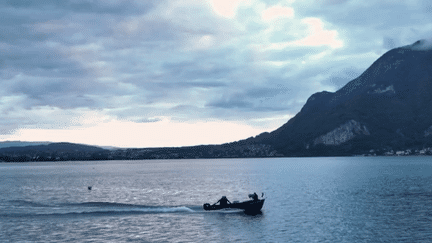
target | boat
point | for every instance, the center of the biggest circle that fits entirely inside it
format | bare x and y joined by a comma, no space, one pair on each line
249,206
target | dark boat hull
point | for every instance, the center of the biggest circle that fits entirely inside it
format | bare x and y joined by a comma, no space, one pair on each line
247,206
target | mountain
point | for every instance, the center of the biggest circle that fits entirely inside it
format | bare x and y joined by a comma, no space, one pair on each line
388,107
52,152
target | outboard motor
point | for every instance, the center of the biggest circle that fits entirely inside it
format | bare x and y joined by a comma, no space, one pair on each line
206,206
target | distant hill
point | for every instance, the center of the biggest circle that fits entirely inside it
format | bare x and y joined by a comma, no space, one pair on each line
20,144
57,147
53,152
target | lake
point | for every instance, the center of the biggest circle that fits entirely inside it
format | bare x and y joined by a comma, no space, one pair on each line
343,199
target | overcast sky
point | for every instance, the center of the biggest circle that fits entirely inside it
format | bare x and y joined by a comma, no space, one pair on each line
183,72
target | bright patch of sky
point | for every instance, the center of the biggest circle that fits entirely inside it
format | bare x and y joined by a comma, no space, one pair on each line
183,72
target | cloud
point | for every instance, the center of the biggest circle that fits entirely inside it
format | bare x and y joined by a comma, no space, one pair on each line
277,12
262,99
86,6
389,43
424,44
332,2
338,78
317,36
225,8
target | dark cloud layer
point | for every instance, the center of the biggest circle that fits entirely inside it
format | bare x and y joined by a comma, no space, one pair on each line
81,6
145,60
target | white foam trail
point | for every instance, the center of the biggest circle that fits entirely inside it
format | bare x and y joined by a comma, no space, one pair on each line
168,210
155,209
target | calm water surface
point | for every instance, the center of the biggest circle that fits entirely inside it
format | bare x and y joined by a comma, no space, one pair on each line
368,199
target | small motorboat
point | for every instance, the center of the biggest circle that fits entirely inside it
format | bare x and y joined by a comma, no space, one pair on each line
249,206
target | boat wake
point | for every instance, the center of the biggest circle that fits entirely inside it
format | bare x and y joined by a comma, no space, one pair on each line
122,207
22,208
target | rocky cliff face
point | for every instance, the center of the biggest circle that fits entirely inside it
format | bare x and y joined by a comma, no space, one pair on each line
388,107
342,134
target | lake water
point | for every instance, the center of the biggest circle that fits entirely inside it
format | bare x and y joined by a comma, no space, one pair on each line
345,199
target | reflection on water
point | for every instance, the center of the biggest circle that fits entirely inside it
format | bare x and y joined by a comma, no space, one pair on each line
308,199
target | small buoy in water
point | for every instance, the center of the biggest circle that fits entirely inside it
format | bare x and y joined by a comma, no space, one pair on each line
89,187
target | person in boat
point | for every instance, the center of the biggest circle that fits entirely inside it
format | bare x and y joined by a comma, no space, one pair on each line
223,201
254,196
